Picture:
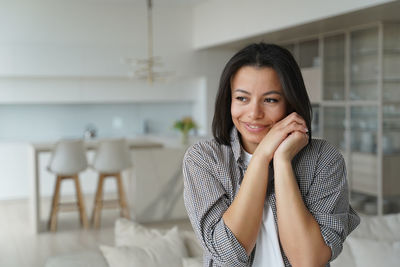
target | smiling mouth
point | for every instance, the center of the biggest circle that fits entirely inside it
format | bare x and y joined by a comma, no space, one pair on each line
254,127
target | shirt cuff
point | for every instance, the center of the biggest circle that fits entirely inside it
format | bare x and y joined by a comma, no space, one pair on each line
237,251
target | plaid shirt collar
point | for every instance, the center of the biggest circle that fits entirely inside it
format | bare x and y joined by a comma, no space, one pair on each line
235,144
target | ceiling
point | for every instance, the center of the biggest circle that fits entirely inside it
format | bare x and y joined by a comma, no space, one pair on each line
387,12
155,2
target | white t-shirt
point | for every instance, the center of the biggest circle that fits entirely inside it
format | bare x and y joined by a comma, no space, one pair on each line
268,252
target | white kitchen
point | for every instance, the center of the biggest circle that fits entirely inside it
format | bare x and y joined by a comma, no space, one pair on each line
98,70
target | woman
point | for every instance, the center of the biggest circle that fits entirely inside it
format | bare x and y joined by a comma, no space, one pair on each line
262,192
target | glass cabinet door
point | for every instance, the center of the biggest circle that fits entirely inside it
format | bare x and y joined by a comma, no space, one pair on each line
364,64
308,54
364,124
334,68
334,126
364,163
391,62
391,129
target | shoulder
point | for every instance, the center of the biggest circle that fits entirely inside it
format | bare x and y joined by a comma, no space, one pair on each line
317,156
322,149
207,151
326,157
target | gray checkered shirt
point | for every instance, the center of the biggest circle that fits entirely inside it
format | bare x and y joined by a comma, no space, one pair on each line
212,177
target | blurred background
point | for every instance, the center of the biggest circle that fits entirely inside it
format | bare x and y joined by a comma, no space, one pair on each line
101,69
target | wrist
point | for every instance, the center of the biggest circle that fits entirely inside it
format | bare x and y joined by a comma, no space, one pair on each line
281,161
262,155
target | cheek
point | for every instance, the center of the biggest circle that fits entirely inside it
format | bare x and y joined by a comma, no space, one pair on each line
235,111
278,114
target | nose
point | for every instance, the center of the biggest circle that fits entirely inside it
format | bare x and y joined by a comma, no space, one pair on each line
256,111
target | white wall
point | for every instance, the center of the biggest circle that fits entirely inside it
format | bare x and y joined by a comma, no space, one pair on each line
221,21
89,38
55,51
72,51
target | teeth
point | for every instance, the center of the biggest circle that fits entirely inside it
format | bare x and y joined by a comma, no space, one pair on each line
254,127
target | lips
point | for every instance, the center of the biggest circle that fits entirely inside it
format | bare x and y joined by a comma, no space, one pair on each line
255,128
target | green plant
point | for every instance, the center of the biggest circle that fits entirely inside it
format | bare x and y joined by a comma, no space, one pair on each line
185,125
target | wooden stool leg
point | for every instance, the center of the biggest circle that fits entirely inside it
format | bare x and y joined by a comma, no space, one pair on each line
121,197
54,205
98,202
81,203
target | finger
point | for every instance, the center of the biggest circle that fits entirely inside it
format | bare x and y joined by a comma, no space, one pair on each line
293,117
301,137
295,126
296,117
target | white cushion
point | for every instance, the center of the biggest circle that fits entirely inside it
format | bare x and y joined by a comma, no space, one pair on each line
192,262
373,231
129,233
77,259
379,227
192,244
345,259
159,250
372,253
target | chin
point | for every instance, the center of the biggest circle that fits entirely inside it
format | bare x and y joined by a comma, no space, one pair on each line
254,139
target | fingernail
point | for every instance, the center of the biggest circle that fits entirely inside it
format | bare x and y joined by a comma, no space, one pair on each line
305,129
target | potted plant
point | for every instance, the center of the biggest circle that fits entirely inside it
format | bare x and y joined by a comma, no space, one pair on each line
184,126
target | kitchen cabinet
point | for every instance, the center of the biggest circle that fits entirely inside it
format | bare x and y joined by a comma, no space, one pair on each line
357,106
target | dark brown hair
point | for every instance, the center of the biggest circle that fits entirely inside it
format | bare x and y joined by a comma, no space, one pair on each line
261,55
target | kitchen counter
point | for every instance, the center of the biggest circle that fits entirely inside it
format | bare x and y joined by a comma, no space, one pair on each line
92,144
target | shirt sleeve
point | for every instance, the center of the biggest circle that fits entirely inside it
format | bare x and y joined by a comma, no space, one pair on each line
328,199
206,201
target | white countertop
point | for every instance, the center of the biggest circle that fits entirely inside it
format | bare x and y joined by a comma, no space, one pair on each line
93,143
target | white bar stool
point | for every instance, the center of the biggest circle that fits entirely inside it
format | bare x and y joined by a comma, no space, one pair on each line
67,161
111,158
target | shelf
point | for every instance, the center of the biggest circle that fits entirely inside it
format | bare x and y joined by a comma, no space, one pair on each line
391,51
350,113
364,81
333,82
391,119
364,52
395,102
333,125
391,80
338,57
363,103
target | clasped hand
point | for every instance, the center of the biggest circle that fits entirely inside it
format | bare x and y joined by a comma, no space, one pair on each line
285,139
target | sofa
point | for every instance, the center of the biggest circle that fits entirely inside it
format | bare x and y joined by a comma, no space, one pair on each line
376,242
136,245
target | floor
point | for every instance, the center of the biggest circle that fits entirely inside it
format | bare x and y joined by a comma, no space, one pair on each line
19,247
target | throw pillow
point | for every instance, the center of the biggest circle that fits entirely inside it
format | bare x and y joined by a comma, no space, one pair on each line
165,250
129,233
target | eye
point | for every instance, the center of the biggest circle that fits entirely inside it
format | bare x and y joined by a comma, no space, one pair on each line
241,98
270,100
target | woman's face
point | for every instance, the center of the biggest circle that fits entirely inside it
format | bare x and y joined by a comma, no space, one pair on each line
257,103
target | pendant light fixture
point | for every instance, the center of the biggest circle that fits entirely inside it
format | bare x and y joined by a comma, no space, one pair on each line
145,69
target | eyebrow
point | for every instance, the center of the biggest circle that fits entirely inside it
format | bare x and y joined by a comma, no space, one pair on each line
267,93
